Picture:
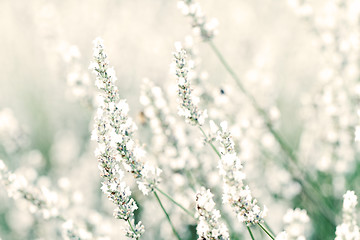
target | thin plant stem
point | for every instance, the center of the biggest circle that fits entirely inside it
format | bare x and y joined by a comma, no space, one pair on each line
251,235
176,203
286,148
266,231
167,216
306,189
191,179
269,228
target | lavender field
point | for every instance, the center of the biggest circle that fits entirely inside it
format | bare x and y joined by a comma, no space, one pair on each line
179,119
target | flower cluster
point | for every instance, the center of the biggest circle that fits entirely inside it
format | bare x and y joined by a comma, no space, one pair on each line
77,79
116,128
209,226
348,230
295,221
45,204
236,193
188,107
330,103
12,135
108,137
201,26
70,231
114,131
157,113
42,201
282,236
136,231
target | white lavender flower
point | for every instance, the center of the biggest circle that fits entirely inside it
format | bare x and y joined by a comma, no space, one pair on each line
109,122
137,231
12,135
209,226
114,133
236,193
79,87
41,201
207,29
72,232
348,230
187,108
282,236
114,129
157,112
166,143
328,135
295,221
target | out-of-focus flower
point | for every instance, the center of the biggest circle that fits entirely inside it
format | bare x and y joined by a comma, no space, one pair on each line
295,221
108,137
209,226
282,236
348,230
236,193
207,29
41,201
114,133
187,108
12,135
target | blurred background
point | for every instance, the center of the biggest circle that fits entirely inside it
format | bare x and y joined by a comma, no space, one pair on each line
46,95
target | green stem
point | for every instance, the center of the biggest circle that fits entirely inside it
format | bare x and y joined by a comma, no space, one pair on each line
269,228
251,235
266,231
176,203
191,179
286,148
167,216
309,190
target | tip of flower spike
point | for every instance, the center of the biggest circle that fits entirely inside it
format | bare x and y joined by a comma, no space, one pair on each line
183,7
224,125
350,200
98,41
178,46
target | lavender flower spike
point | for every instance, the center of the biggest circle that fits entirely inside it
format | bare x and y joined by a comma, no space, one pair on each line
206,29
112,128
236,193
209,226
348,230
187,108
